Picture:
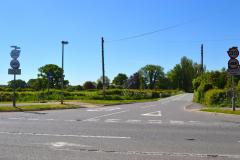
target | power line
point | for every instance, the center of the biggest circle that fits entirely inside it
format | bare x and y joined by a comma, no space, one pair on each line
153,32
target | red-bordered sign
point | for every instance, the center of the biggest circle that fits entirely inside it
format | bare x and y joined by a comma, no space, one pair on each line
233,52
233,64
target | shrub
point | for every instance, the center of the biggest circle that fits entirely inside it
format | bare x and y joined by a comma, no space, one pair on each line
215,97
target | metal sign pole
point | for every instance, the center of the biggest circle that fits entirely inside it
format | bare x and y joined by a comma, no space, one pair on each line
233,94
14,91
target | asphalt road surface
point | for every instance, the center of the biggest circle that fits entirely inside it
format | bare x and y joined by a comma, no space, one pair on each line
152,131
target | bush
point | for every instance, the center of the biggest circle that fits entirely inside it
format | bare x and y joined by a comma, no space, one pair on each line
215,97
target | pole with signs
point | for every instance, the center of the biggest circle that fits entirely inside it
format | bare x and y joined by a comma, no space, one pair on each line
233,69
15,53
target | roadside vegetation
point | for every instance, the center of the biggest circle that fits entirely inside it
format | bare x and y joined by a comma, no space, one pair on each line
36,107
213,90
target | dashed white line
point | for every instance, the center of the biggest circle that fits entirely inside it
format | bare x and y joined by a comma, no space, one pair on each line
32,119
50,119
155,121
70,120
15,118
133,121
91,120
63,135
176,122
112,120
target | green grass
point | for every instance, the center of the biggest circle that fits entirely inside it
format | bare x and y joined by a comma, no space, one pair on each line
221,110
36,107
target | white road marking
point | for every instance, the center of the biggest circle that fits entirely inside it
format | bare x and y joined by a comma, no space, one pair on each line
194,121
63,144
50,119
15,118
91,120
176,122
32,119
63,135
238,141
103,109
70,120
112,120
155,121
157,113
133,121
106,115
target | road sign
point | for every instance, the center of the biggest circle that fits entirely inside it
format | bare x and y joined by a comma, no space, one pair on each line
233,64
233,52
234,72
15,64
14,71
15,53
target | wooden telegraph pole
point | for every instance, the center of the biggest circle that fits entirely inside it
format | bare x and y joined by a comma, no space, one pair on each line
103,69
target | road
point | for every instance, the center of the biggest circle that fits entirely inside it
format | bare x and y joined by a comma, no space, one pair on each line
154,130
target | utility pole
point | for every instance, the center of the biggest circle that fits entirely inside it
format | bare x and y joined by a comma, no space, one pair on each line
62,78
202,59
103,69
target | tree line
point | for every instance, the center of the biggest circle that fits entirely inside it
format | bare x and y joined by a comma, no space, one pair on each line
148,77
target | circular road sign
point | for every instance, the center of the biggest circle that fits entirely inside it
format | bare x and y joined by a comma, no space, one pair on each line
15,53
15,64
233,64
233,52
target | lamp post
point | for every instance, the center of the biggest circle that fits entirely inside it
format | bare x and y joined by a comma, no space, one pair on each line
62,78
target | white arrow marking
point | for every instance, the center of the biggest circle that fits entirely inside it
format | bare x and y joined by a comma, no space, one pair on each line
157,113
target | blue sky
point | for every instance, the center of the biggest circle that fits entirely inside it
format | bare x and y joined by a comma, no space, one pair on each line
38,26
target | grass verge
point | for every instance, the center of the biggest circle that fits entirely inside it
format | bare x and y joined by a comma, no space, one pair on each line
36,107
221,110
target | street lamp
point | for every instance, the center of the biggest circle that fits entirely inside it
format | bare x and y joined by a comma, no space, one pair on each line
62,79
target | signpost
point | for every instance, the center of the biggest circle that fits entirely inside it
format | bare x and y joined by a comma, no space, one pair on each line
233,69
15,53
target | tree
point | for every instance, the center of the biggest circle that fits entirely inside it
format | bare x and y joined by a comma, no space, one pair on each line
182,75
151,74
18,83
100,81
37,84
134,81
89,85
120,80
53,72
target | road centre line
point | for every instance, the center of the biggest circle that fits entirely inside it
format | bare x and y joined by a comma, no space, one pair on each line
105,115
176,122
15,118
112,120
133,121
63,135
